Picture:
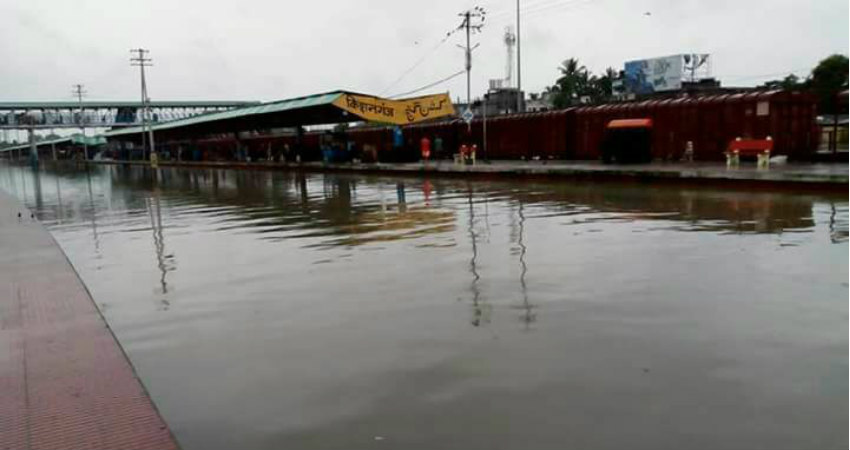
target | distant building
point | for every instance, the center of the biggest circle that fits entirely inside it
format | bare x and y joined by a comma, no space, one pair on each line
539,102
503,101
497,101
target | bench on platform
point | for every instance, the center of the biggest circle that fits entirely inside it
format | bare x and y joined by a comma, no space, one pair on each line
760,148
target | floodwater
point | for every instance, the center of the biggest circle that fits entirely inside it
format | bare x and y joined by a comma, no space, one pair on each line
271,310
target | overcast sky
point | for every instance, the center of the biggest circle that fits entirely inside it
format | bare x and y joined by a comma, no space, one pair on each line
268,50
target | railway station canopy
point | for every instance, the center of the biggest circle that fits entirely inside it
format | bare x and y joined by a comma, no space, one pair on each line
75,139
320,109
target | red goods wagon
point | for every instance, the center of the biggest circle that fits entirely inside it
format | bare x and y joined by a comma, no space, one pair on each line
531,135
499,140
519,137
446,132
755,125
670,138
797,134
598,120
513,138
580,138
710,122
538,129
555,137
688,109
496,138
733,117
565,124
627,141
542,135
649,109
587,143
711,142
492,149
777,107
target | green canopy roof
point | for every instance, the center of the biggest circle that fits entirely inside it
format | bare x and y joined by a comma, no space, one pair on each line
299,103
91,141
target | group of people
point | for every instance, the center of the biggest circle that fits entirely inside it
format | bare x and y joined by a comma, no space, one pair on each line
465,154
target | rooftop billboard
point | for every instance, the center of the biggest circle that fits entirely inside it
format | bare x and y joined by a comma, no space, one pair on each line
646,76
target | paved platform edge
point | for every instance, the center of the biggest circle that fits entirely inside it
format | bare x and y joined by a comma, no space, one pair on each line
65,380
699,174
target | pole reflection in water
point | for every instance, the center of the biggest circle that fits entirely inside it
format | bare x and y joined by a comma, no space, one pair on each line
383,199
837,228
93,213
301,179
60,215
528,316
481,311
24,185
427,188
402,198
163,260
36,175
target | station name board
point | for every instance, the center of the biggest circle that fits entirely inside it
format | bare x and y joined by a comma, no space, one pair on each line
397,112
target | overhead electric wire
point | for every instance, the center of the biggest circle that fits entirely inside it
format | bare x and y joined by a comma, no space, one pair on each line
556,8
768,75
533,7
430,85
420,61
511,10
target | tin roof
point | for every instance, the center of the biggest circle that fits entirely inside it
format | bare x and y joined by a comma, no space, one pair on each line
310,101
327,108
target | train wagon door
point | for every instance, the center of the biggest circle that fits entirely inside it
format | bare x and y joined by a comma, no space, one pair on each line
627,141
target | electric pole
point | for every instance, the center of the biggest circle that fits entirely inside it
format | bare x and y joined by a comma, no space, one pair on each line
518,64
477,14
141,59
79,92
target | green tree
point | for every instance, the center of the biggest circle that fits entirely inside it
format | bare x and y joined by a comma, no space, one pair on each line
789,83
828,78
576,83
601,86
571,85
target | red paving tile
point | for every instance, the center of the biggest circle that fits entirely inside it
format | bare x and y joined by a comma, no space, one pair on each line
65,383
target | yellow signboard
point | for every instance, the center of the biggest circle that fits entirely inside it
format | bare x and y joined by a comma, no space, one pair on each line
398,112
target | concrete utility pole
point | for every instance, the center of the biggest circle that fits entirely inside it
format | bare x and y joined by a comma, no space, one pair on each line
79,92
484,126
518,63
468,61
53,145
141,59
478,14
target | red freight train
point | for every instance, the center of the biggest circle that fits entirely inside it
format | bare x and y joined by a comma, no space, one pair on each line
710,122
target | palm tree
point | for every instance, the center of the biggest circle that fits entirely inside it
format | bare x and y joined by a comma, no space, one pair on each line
574,82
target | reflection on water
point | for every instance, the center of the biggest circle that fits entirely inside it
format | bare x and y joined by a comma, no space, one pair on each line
264,202
285,309
528,315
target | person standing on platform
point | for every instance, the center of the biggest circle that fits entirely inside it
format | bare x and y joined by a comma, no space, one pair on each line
398,143
438,147
425,148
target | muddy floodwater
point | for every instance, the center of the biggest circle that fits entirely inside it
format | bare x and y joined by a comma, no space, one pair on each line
269,310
